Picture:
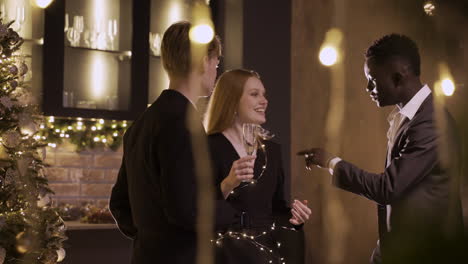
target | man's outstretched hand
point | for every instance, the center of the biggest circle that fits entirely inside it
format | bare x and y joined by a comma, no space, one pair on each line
316,156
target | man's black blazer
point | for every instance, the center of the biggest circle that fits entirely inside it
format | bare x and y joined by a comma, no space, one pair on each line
423,193
154,198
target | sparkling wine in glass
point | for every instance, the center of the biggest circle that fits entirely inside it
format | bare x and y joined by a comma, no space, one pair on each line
250,140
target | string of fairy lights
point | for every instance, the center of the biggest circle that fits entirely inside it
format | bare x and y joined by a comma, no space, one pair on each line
84,133
253,181
272,255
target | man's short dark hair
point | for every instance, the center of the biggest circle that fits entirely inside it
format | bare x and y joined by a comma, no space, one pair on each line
396,45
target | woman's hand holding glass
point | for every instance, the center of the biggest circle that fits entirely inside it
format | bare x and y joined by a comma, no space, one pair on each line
300,212
241,171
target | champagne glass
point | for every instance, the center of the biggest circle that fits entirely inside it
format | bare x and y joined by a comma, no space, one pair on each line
250,140
265,134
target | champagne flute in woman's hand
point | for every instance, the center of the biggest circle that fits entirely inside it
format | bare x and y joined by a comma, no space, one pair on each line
250,140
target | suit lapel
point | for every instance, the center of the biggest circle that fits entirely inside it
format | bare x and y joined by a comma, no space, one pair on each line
406,124
403,127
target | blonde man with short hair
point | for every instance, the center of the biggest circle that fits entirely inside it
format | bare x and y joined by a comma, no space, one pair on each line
154,198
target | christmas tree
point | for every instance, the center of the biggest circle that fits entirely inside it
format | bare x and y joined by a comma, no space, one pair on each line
30,230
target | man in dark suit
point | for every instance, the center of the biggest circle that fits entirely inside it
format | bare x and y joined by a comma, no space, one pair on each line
154,199
419,210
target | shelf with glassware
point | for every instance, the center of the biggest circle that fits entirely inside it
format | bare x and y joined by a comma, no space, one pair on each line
100,35
93,61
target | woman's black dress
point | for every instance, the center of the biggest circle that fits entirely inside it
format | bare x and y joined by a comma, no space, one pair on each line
262,204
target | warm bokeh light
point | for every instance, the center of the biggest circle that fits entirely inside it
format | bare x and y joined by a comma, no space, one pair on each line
330,52
445,86
202,33
99,76
175,13
429,8
43,3
328,55
448,87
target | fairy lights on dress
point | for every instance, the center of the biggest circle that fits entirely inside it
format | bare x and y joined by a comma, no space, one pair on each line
253,183
271,254
263,135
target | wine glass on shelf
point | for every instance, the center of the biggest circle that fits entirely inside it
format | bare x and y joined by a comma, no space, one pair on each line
112,32
250,140
20,17
78,25
67,25
155,43
94,34
70,36
101,34
74,32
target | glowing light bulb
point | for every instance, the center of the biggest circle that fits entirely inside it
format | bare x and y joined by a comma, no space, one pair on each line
43,3
328,55
202,33
429,8
448,87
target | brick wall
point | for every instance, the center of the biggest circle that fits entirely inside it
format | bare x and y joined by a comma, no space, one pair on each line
87,176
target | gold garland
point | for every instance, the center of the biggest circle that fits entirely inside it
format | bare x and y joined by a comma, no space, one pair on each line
83,133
